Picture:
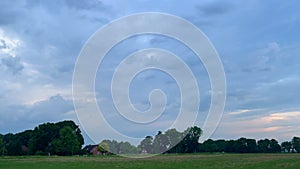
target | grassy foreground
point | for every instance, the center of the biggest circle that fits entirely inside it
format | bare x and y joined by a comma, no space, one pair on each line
211,161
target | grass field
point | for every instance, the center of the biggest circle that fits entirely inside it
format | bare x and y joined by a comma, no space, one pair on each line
211,161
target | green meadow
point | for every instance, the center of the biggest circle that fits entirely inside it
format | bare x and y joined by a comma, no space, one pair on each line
188,161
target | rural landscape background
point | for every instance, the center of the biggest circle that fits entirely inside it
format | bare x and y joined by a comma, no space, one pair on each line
65,139
258,45
59,145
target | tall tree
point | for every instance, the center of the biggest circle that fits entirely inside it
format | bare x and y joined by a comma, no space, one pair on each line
268,146
67,143
74,127
245,145
286,146
274,146
50,138
146,145
296,144
191,139
160,143
264,146
174,137
2,146
251,146
24,138
12,144
42,136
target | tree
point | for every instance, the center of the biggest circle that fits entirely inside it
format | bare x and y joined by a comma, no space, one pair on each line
114,146
274,146
103,148
12,144
174,137
2,146
160,143
286,146
264,146
24,138
209,146
296,144
268,146
49,138
146,145
244,145
231,146
74,127
251,146
42,136
67,143
221,145
127,148
119,148
190,141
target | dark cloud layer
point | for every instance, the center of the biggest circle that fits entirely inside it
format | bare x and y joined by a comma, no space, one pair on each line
256,40
20,117
215,8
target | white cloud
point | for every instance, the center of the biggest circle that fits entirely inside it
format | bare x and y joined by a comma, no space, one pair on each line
280,125
238,112
8,45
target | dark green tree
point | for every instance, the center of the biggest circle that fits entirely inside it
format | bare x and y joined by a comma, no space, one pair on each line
296,144
209,146
268,146
274,146
286,146
13,144
231,146
74,127
191,138
264,146
245,145
49,138
42,136
2,146
221,145
24,138
67,143
251,146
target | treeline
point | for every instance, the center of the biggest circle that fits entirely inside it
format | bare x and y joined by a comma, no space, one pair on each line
115,147
246,145
173,141
62,138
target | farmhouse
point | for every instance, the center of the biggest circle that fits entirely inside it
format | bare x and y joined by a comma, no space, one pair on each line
91,149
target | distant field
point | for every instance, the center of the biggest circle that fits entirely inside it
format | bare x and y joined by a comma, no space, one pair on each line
211,161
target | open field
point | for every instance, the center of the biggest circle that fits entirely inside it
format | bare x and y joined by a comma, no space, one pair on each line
211,161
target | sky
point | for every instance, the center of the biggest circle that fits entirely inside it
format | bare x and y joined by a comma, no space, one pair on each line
257,42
